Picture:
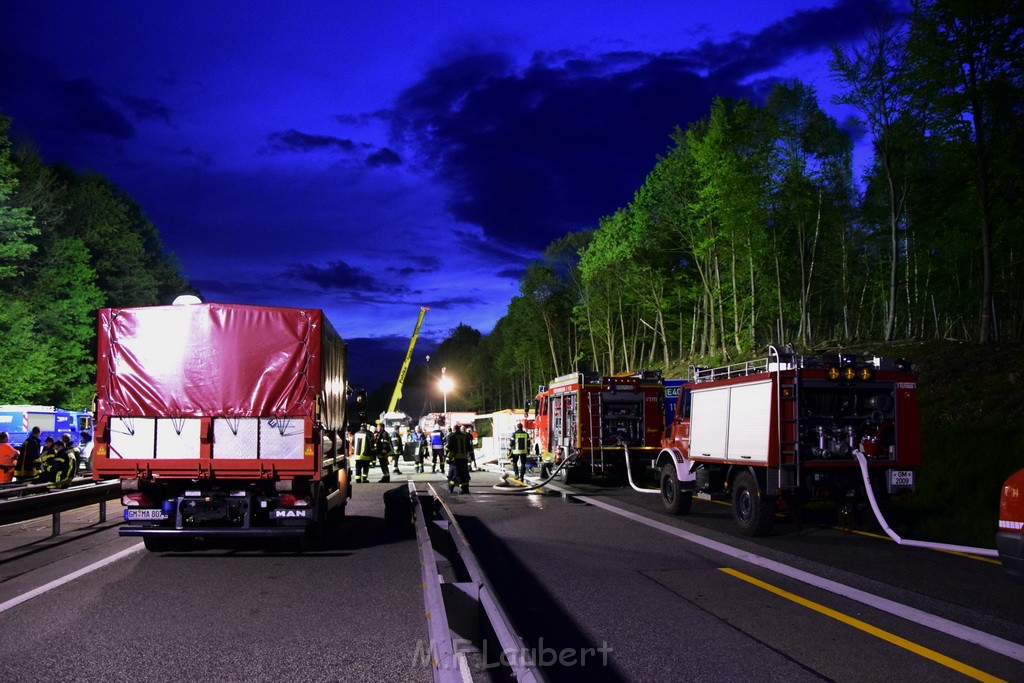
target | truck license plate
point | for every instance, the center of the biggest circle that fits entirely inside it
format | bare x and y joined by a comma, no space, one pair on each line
140,514
899,479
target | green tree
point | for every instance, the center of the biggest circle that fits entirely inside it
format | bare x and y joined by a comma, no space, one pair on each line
16,224
968,67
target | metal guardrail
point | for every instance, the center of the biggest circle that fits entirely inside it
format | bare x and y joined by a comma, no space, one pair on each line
21,503
444,600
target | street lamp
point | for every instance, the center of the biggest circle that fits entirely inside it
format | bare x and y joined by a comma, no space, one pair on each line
445,385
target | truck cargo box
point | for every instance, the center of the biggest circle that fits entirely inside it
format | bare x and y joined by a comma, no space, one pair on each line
217,390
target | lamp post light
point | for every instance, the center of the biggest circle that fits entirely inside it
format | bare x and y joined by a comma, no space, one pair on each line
445,385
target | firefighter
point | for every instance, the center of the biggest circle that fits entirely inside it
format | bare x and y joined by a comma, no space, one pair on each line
28,461
396,448
382,449
59,468
362,451
8,458
436,449
519,448
458,448
422,448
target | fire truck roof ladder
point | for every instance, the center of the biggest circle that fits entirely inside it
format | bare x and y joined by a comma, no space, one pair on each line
787,387
594,438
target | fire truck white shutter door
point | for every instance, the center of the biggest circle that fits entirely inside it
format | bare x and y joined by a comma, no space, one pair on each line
750,412
709,423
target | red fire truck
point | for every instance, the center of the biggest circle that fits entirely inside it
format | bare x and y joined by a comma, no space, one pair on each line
783,429
590,418
1010,537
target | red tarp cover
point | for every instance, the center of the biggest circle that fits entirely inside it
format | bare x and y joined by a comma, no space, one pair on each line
219,359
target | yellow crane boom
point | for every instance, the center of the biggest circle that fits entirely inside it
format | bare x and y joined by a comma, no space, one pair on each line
405,365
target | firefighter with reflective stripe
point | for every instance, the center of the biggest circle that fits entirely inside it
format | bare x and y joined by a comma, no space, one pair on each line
8,458
519,448
382,449
396,448
458,448
422,447
28,461
437,449
59,468
362,452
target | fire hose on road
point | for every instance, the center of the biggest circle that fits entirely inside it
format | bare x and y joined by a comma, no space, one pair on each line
984,552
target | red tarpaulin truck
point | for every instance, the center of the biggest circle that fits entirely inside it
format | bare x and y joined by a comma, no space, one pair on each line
221,420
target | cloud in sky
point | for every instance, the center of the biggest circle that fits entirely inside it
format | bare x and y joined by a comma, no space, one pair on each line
399,167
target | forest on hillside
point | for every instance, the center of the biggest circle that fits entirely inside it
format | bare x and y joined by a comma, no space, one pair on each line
751,229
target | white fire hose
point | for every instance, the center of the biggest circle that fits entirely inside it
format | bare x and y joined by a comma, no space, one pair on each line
503,487
984,552
629,474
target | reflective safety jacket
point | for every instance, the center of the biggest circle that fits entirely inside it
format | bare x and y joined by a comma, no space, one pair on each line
381,443
458,445
58,468
520,442
361,445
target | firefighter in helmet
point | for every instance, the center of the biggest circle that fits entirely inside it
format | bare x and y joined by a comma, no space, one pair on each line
458,447
58,468
382,449
397,448
362,452
519,448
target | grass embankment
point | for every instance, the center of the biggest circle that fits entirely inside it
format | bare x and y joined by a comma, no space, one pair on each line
972,424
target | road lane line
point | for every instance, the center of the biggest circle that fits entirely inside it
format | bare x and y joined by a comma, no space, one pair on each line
35,592
896,640
988,641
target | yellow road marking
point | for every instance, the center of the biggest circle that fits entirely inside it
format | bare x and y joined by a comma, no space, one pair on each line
925,652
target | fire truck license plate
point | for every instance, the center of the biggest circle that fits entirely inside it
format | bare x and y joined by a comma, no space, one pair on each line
900,478
143,514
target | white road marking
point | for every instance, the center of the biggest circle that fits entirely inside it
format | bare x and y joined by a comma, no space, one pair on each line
35,592
994,643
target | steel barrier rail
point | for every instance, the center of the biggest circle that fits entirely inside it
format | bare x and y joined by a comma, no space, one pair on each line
515,656
55,502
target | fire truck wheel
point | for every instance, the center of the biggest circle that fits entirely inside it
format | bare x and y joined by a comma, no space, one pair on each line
753,513
676,500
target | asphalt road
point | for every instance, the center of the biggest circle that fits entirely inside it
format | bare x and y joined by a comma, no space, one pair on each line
353,612
602,586
577,577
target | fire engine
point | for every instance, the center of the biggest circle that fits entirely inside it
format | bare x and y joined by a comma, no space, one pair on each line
1010,537
590,418
776,432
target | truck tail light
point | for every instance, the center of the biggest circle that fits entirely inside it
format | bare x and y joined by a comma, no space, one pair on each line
290,500
136,500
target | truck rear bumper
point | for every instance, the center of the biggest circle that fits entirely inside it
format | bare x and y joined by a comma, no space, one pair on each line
251,532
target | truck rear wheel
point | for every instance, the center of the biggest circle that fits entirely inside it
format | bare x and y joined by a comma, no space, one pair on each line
752,511
676,500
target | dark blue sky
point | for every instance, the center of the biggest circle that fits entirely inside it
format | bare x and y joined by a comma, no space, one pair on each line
372,158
